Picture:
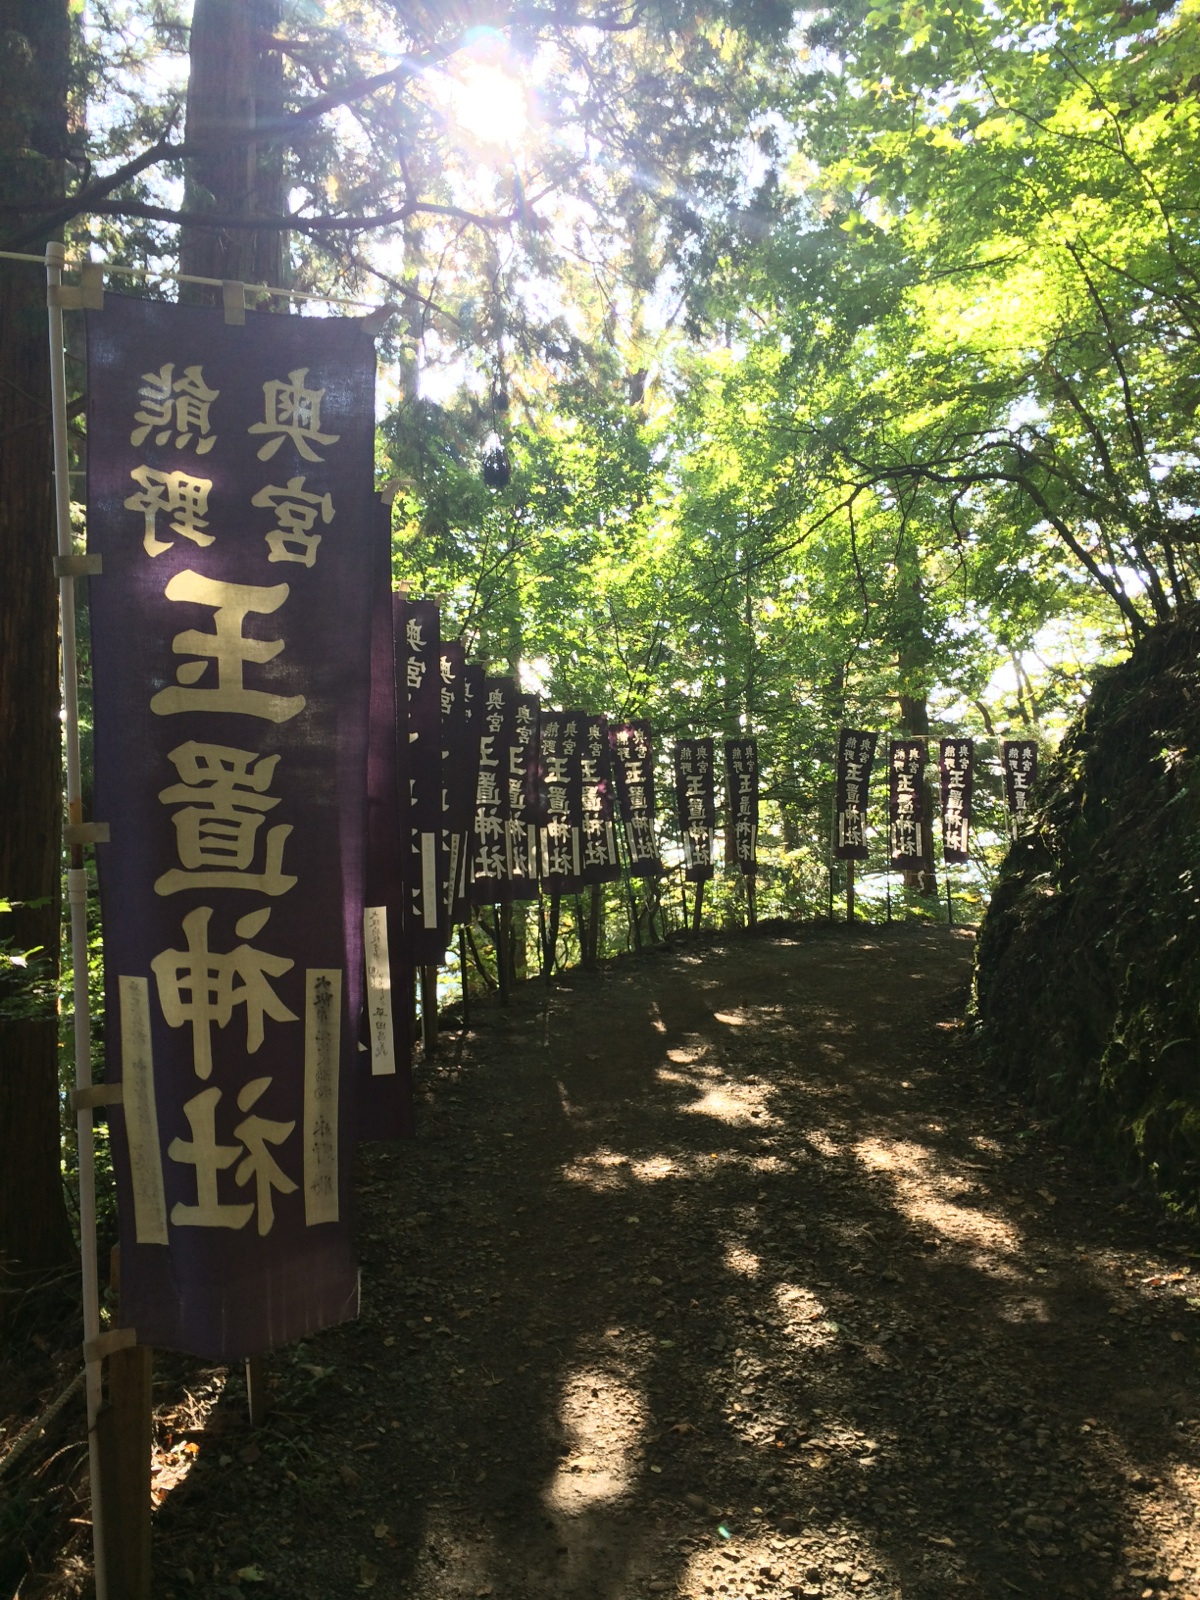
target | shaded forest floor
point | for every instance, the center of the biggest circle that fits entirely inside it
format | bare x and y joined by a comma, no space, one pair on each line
722,1271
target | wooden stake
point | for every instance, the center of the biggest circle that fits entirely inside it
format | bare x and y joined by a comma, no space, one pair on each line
752,901
850,890
258,1400
123,1438
698,907
949,899
462,965
429,1010
501,955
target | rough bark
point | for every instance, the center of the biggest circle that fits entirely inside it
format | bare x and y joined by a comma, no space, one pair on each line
35,1239
915,657
235,84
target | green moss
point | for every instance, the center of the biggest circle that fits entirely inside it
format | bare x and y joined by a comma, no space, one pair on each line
1088,969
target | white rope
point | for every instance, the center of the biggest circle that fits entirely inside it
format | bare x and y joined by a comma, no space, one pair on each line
208,283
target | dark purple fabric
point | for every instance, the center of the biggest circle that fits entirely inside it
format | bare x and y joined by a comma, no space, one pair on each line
696,804
906,805
561,807
633,773
489,843
523,799
418,680
956,765
741,787
456,796
856,752
385,1096
1020,758
474,695
229,485
600,860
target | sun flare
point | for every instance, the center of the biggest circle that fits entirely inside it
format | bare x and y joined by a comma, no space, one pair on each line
489,105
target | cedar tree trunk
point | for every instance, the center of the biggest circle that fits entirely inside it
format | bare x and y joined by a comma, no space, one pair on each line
35,1239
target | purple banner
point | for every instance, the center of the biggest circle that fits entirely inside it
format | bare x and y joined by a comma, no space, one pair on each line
695,797
956,765
489,845
856,753
741,787
474,694
561,809
600,861
523,799
633,771
906,805
457,796
229,479
1020,759
385,1100
418,679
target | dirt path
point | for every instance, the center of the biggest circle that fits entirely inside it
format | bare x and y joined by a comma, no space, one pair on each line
727,1273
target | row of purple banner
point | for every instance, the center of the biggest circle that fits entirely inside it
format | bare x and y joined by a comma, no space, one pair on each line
908,839
304,788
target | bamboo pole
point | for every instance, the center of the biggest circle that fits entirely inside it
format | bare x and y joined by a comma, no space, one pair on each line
77,888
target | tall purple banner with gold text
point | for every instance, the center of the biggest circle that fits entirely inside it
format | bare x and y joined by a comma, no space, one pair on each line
1020,759
523,799
741,786
856,753
906,804
696,799
600,858
561,803
956,764
633,769
384,1097
458,810
419,702
489,843
230,490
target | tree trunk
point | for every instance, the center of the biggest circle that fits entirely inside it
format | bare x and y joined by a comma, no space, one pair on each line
235,84
915,659
35,1238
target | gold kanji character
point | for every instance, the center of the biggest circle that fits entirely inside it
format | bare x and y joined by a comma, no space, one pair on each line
201,987
179,496
228,647
296,509
208,1157
256,1133
175,405
295,411
217,832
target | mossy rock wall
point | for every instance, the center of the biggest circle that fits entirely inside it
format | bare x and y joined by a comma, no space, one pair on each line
1088,969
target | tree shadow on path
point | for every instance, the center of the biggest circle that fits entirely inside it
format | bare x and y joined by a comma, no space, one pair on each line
724,1272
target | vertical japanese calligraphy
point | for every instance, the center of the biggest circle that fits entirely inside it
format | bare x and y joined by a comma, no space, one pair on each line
741,788
956,766
474,697
633,769
384,1097
457,787
561,804
696,800
523,799
600,861
489,848
1020,759
418,693
855,756
229,482
906,804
